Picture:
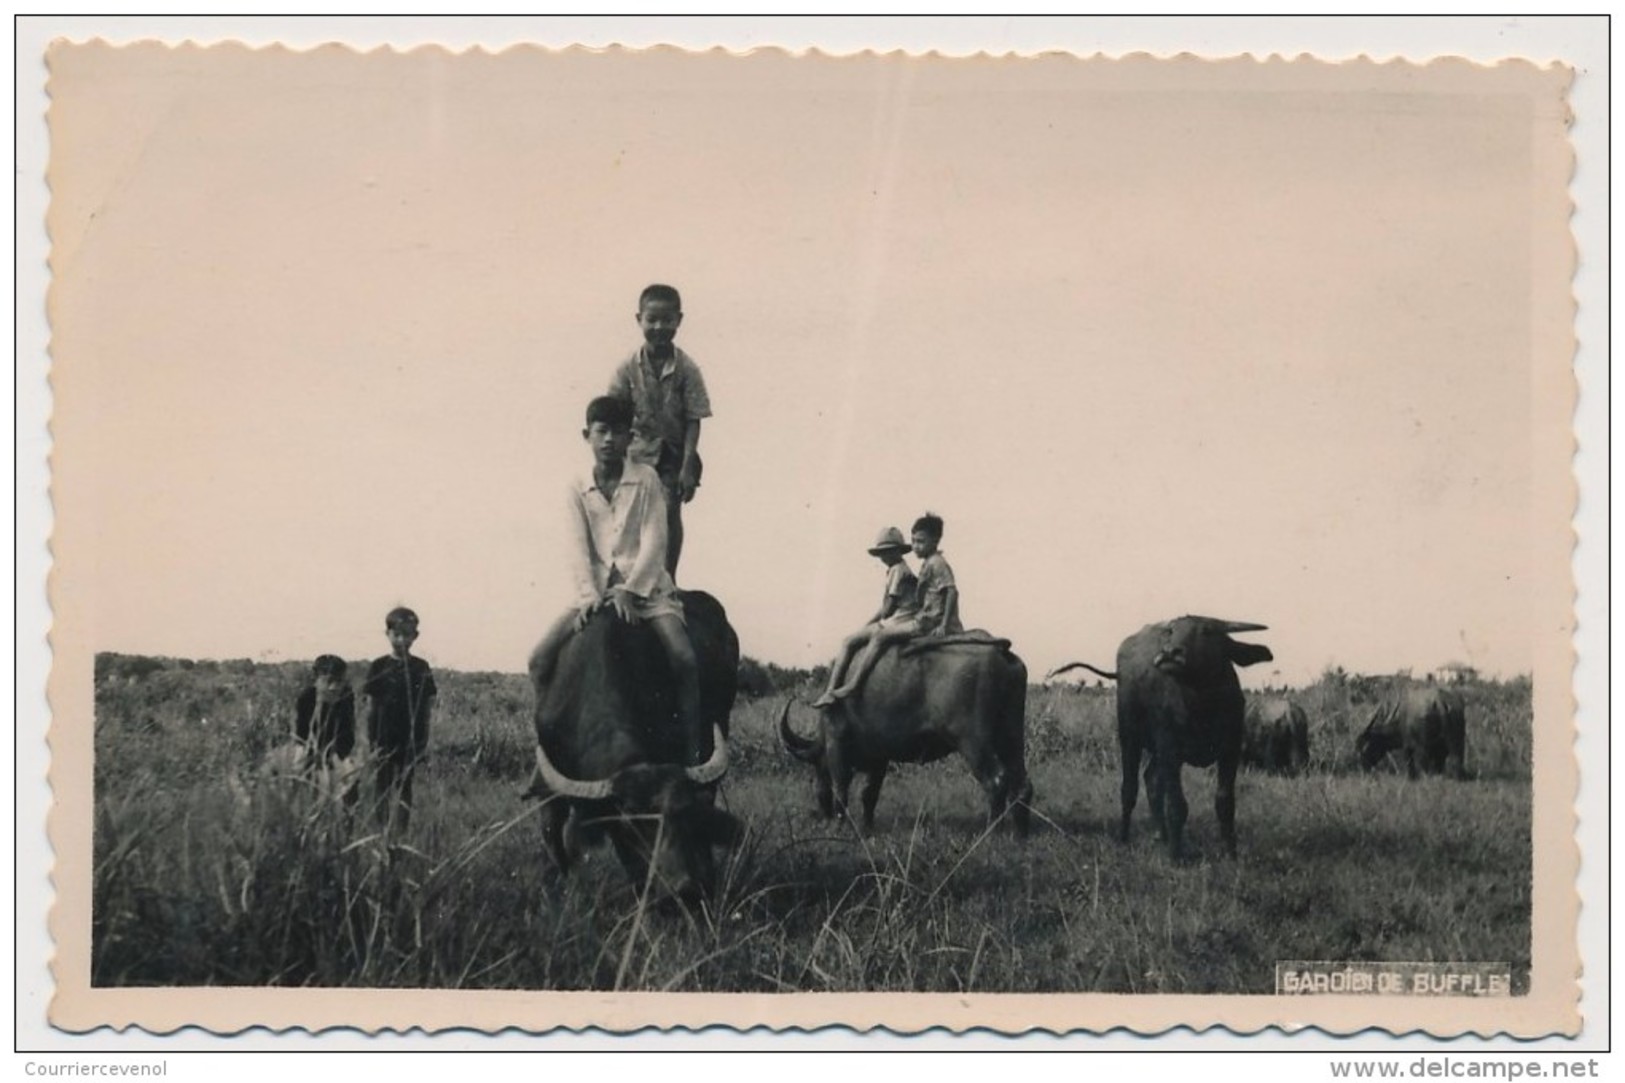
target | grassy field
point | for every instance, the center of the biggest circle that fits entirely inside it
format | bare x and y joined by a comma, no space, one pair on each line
208,872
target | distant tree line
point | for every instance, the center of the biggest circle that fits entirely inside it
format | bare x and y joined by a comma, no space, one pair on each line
759,679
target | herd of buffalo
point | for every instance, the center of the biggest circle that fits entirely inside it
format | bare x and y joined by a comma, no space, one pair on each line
611,757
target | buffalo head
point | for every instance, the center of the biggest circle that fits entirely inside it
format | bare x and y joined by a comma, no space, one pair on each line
660,818
809,751
1199,650
611,750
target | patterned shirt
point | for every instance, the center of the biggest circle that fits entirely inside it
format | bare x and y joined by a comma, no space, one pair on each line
901,585
663,402
620,539
935,579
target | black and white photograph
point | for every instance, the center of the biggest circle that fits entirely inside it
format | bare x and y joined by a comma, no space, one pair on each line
644,537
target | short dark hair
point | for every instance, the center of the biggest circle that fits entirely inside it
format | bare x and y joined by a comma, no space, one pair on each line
660,292
398,616
929,523
615,412
330,665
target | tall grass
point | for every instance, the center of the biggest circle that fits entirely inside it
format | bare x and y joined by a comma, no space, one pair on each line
211,871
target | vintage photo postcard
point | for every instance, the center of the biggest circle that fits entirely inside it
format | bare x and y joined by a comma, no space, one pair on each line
644,538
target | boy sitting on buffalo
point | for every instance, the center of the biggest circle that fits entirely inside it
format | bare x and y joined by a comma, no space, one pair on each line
898,606
617,513
937,615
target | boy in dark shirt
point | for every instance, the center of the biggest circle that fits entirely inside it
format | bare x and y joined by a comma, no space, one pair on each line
324,713
400,693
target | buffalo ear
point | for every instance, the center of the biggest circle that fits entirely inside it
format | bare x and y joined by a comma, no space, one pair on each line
1247,654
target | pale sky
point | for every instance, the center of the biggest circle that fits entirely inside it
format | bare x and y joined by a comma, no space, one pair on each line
1152,340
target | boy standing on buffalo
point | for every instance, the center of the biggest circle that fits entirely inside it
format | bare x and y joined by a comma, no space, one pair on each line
668,399
617,517
400,693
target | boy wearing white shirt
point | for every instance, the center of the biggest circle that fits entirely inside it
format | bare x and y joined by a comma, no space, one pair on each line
618,558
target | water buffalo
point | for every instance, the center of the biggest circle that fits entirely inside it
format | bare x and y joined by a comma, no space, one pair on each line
610,746
1427,725
1276,735
1179,702
919,705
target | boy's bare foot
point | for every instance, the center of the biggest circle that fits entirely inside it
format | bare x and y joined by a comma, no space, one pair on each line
826,700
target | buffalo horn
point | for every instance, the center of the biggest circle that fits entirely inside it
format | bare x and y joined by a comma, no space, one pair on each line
715,767
798,746
1234,626
1058,670
569,787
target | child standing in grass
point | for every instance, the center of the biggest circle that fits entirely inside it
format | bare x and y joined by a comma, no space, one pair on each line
324,713
400,694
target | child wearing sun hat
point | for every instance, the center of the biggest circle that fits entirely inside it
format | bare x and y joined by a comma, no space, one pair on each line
898,604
